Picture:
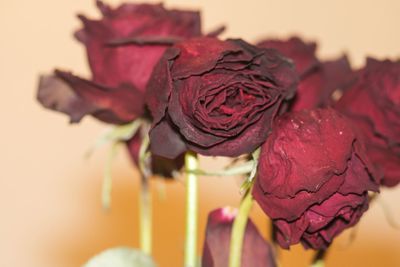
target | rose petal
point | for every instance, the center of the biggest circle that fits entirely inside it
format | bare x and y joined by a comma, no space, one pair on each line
165,142
53,93
285,170
256,251
114,105
302,53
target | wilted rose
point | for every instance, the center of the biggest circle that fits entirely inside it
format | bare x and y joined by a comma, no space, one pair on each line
122,47
216,97
373,103
256,252
313,177
319,80
130,61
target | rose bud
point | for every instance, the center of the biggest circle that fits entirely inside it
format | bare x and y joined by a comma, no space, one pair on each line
216,97
120,70
373,103
313,177
318,80
256,252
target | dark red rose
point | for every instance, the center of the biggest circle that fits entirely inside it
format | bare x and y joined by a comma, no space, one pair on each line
132,63
318,79
216,97
121,61
122,47
313,177
256,252
373,103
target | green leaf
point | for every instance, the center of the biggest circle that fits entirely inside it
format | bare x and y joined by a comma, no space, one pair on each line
121,257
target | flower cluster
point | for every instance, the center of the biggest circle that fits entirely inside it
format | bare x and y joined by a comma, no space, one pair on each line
329,135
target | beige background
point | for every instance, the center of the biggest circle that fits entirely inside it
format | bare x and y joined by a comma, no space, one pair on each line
49,195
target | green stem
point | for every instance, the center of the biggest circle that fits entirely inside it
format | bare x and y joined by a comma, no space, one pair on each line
318,263
107,177
191,210
238,230
145,199
237,170
145,207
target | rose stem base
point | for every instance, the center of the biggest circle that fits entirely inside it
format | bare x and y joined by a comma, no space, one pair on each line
145,209
238,230
191,164
145,199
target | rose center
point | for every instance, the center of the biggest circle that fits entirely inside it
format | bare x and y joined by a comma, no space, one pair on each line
230,101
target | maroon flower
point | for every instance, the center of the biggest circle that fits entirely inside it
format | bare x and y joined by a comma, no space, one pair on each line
216,97
123,47
256,252
373,103
318,80
313,177
127,62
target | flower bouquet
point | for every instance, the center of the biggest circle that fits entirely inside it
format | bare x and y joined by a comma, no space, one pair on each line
314,140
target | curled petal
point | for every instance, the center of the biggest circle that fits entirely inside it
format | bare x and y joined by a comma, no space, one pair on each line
55,94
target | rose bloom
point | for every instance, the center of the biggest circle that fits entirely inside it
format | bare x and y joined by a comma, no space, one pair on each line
373,103
313,177
320,81
121,65
122,48
256,252
216,97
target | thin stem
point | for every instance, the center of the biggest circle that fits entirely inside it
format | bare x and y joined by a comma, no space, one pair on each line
318,263
145,199
107,177
145,208
191,210
236,170
238,230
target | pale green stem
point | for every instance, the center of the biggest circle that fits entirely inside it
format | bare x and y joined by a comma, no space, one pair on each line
191,210
145,200
145,208
318,263
107,178
388,214
237,170
238,230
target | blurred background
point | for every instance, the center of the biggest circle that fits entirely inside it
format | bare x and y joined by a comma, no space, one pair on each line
50,207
